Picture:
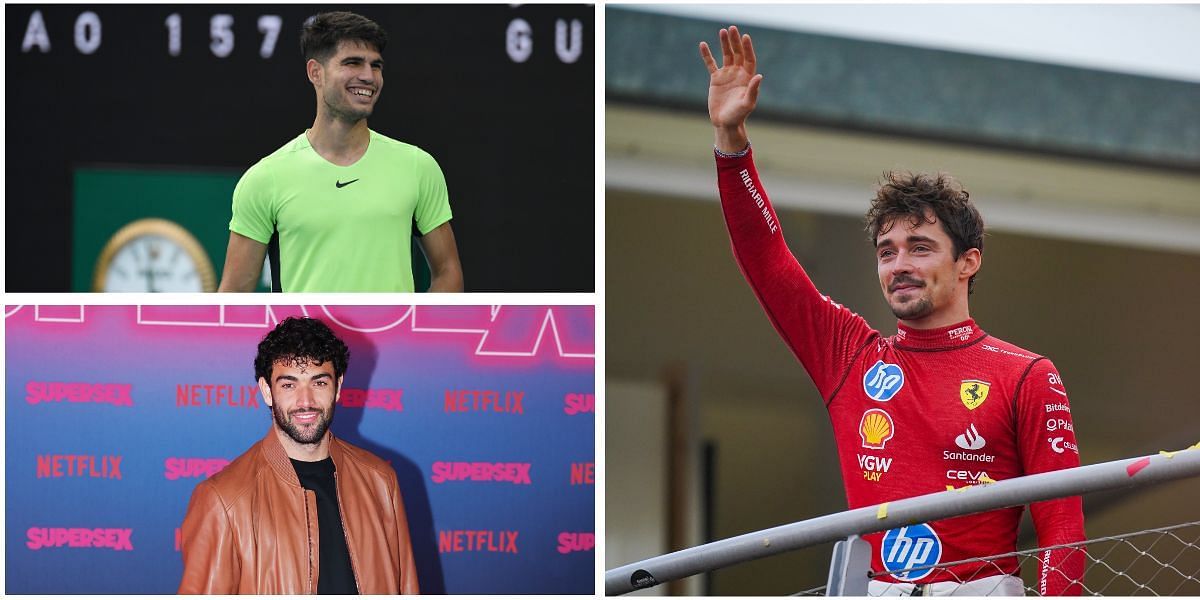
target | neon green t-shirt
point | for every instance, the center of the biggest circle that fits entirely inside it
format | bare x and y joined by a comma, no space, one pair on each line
342,229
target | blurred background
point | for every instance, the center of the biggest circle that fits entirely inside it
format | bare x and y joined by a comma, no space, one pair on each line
122,113
1076,130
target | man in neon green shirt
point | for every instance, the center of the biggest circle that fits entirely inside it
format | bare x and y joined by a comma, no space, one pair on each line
336,206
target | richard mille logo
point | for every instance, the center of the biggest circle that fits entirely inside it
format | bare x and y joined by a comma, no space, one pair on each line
342,185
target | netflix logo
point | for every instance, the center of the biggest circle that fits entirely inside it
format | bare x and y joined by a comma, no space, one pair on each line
484,401
458,540
78,465
583,473
214,394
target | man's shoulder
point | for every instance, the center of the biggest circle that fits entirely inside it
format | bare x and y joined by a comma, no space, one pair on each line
364,459
401,149
281,155
1008,353
237,477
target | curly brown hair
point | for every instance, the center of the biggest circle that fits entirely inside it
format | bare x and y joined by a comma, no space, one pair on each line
920,196
298,340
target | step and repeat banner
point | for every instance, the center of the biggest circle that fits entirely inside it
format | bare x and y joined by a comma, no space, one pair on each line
115,413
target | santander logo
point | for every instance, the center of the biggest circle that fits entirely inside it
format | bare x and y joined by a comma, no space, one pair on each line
971,440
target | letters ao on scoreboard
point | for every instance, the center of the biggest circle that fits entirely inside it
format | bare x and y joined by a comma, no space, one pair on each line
489,425
88,36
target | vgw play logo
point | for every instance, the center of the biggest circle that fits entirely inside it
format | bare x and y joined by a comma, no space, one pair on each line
915,549
883,380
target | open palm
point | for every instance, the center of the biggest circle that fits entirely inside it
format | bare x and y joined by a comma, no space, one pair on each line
732,88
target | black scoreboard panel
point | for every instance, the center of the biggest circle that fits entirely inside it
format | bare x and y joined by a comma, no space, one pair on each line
501,95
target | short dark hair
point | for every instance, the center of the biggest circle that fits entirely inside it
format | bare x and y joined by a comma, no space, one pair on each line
322,32
920,196
299,340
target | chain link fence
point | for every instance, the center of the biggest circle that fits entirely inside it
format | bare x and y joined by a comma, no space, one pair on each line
1153,562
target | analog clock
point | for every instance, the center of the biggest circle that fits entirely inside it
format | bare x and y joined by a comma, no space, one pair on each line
153,255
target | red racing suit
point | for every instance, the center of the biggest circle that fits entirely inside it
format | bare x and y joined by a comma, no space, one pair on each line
918,412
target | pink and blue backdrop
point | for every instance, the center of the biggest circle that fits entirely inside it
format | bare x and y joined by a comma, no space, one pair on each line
114,413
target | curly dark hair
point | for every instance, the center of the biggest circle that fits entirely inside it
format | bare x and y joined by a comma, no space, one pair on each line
916,197
322,32
300,340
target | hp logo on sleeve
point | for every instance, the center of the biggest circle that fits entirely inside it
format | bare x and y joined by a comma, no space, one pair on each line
883,380
915,548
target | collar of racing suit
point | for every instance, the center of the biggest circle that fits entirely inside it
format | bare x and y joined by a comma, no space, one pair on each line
949,337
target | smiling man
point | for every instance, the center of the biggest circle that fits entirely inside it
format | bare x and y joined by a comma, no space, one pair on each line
939,405
336,207
300,512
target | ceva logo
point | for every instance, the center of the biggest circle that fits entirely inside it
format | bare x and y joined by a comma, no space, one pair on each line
915,549
882,381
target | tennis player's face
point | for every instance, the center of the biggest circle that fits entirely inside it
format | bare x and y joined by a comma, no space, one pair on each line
352,80
301,396
917,270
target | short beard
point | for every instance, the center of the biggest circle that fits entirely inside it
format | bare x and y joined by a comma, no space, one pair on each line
294,432
911,311
344,114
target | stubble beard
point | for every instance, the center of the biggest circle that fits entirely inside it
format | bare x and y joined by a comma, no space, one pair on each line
908,311
298,435
341,111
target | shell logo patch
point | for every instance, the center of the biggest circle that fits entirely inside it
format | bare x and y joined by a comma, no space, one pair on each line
973,392
876,429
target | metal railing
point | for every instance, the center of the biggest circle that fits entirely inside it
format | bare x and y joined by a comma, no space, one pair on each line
1164,466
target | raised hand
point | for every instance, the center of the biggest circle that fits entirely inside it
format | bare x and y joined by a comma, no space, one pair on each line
732,88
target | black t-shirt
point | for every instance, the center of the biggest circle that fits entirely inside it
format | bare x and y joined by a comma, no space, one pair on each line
336,575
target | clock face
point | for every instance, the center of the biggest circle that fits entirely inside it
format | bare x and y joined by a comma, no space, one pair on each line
152,263
154,255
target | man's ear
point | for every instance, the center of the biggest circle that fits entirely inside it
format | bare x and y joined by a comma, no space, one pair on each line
315,71
265,389
970,262
339,388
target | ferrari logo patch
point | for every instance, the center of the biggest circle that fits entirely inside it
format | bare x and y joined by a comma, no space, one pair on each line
973,392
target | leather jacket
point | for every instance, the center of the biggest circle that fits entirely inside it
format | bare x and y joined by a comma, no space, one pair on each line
252,529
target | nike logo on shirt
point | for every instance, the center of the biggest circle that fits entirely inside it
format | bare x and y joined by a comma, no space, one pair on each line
342,185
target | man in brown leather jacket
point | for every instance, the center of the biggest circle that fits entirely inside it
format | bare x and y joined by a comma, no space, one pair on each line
300,512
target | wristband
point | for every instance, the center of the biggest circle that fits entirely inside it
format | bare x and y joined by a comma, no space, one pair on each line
738,154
